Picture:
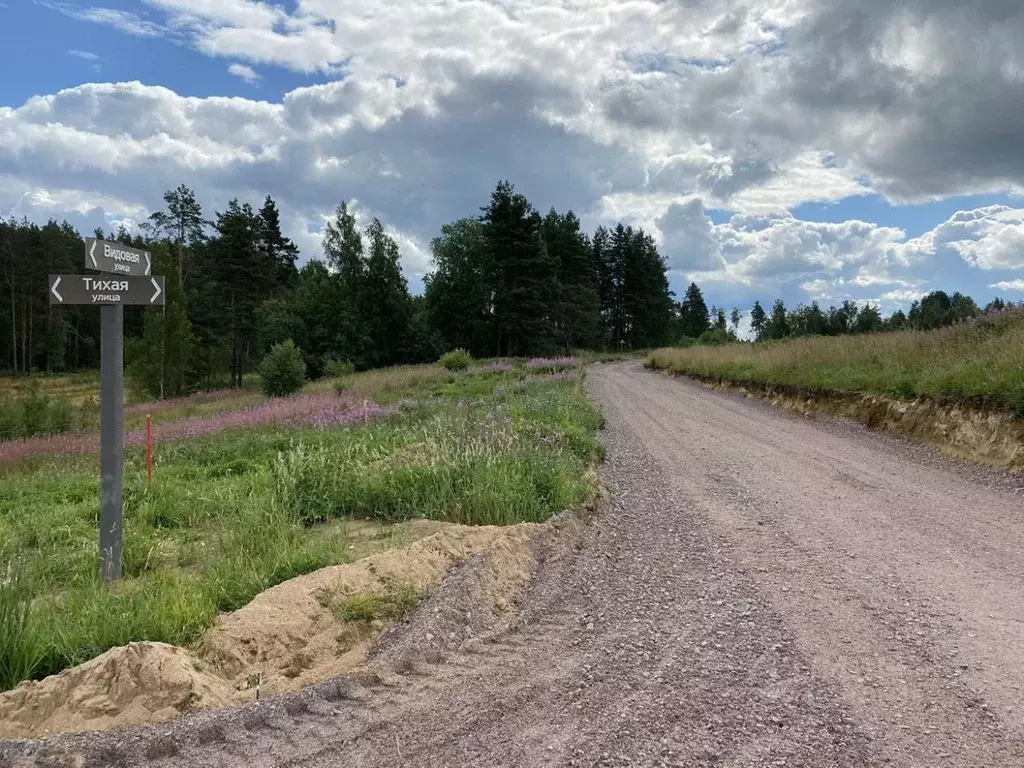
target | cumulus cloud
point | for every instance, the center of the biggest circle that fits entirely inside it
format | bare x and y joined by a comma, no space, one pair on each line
836,260
648,112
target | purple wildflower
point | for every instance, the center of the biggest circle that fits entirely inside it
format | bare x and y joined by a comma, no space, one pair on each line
555,363
306,410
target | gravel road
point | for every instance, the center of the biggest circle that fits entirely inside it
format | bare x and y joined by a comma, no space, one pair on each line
764,590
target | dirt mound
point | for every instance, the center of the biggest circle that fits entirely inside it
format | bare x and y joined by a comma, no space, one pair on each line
136,683
292,635
286,638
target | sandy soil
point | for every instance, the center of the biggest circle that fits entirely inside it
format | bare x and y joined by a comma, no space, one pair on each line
764,590
285,639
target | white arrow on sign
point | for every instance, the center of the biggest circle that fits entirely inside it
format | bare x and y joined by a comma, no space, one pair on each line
53,290
92,254
149,264
155,285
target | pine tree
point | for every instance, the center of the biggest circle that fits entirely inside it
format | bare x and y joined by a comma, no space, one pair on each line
386,296
778,324
693,313
758,321
182,223
275,249
241,278
734,320
578,305
459,293
869,320
524,271
161,361
600,258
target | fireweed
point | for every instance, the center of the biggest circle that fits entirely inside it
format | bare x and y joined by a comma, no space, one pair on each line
305,410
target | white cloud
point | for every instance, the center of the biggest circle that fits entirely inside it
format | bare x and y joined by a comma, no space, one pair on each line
646,112
987,238
1009,285
247,73
901,297
125,21
87,55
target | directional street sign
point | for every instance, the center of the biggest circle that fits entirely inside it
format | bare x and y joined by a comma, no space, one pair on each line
108,256
100,290
129,282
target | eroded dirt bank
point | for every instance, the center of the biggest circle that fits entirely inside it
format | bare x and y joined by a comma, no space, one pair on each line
983,435
764,590
286,638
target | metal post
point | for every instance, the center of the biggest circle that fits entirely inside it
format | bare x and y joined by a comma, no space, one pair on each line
111,439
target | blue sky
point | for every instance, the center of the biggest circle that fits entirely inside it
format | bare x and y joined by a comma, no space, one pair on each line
833,151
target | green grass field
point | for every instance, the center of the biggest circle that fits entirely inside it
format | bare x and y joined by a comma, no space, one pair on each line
235,512
981,363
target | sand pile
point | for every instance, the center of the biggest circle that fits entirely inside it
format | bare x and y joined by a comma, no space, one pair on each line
288,637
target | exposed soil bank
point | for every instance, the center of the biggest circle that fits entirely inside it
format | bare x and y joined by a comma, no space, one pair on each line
286,638
985,436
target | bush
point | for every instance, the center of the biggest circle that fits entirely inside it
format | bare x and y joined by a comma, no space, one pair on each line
10,420
89,414
456,360
60,417
34,407
282,372
714,337
336,369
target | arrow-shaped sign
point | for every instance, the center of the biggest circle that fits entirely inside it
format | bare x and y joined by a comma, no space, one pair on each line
107,289
117,258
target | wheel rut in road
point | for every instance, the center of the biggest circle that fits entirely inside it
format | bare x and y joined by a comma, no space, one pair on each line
762,590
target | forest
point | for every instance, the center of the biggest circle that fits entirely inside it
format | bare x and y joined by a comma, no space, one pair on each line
509,281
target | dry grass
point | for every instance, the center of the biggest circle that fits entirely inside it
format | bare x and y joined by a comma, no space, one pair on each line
981,362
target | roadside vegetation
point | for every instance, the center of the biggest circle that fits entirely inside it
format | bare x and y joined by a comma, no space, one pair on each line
249,492
980,360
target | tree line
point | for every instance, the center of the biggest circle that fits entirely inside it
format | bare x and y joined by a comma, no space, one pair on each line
509,281
695,321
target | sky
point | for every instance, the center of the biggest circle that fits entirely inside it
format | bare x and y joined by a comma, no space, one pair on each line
796,149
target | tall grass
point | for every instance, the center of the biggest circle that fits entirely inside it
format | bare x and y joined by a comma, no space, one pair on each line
20,647
233,512
980,362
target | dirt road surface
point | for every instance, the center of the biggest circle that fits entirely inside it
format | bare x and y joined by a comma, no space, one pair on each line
764,590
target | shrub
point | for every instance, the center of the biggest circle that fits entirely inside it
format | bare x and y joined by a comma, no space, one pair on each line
282,372
456,360
61,417
89,414
336,369
34,407
10,419
714,337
